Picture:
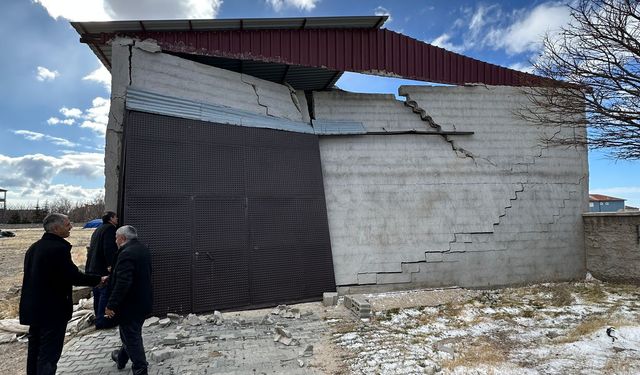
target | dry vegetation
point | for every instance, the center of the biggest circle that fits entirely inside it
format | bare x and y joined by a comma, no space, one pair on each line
12,251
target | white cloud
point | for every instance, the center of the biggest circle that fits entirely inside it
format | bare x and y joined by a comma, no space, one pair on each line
97,116
70,112
203,8
526,32
35,136
36,171
523,67
56,121
306,5
45,74
105,10
516,32
94,118
443,41
162,9
100,75
76,10
382,11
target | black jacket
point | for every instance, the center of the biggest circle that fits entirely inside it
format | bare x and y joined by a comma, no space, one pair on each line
131,294
102,250
49,274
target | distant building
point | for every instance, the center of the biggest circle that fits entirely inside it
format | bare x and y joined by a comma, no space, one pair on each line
605,203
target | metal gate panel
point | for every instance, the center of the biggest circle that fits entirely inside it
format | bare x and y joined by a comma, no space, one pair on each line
289,262
235,216
164,224
220,245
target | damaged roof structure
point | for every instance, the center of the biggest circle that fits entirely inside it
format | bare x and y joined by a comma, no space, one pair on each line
231,134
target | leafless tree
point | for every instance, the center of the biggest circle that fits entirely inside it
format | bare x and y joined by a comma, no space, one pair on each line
594,66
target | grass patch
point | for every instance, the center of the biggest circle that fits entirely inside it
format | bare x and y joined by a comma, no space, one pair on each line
592,292
477,353
618,366
9,308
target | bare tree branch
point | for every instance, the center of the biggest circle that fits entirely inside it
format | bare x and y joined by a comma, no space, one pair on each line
594,66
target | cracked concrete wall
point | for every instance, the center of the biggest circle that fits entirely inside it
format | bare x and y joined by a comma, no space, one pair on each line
141,65
493,208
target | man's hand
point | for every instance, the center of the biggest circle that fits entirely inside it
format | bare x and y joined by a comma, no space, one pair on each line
103,281
108,313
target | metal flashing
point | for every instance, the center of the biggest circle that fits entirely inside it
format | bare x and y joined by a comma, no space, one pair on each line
145,101
326,127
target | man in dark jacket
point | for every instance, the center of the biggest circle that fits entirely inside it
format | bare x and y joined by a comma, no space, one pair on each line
131,298
100,261
45,303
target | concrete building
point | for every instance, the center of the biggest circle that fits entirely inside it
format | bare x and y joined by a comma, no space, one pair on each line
605,203
256,182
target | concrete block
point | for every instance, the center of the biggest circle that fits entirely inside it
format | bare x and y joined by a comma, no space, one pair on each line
329,298
358,305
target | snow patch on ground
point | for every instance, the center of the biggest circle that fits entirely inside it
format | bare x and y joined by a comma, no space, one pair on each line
541,329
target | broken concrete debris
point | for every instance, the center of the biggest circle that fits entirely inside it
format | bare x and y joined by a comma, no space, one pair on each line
164,322
162,354
308,351
175,318
215,319
150,322
193,320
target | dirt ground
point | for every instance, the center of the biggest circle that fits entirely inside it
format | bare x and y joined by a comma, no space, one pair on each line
559,328
12,251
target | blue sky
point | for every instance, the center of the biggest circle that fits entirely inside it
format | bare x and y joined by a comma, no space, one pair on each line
55,92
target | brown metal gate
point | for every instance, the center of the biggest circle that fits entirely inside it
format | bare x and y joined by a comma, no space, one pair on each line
234,216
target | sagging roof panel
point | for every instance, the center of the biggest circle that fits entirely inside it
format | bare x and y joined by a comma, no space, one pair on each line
334,44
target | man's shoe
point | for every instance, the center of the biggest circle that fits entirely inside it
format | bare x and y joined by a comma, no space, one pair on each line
114,357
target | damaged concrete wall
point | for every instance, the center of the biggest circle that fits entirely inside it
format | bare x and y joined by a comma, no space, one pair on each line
612,242
141,65
491,208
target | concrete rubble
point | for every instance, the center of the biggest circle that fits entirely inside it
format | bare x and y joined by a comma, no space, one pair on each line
280,341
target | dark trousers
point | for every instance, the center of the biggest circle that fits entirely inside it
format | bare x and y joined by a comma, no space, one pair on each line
45,348
100,299
132,346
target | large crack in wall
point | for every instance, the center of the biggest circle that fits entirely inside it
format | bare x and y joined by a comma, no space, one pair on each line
461,240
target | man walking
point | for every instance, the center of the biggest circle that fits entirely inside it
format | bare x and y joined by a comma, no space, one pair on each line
100,261
131,297
45,303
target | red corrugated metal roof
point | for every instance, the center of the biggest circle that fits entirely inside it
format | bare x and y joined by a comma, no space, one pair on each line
331,47
603,198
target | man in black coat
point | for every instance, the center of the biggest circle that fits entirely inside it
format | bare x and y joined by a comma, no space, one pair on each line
101,258
45,303
131,298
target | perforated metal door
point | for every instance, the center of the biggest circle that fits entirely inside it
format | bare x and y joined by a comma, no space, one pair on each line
234,216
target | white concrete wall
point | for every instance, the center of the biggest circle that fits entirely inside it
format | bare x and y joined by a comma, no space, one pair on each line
410,210
141,65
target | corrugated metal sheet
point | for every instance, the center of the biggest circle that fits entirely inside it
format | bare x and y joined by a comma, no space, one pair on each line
354,22
326,127
145,101
334,44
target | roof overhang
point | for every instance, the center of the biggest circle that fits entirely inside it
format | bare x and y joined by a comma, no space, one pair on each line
307,53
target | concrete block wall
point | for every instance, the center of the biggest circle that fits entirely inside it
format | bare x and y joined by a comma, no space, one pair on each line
612,241
141,65
404,211
493,208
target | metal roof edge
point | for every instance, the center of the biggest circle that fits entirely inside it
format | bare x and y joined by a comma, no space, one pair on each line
146,101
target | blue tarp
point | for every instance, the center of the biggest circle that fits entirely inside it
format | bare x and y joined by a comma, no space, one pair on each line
93,223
